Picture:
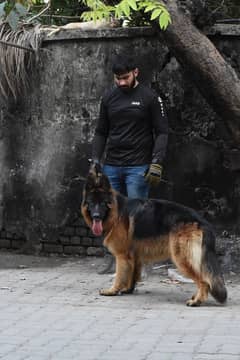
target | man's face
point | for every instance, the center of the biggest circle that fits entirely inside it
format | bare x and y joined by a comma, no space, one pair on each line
127,80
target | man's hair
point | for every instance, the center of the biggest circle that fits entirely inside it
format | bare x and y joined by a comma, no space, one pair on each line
123,64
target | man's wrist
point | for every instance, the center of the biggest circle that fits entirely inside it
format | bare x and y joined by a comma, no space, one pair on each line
94,161
156,161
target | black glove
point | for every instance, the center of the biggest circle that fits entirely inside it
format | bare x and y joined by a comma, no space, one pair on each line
154,174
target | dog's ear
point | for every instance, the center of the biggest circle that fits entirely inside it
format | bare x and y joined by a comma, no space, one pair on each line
97,179
84,200
110,205
105,183
95,169
90,183
98,169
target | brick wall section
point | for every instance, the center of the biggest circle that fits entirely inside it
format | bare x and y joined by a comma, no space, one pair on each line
76,239
11,241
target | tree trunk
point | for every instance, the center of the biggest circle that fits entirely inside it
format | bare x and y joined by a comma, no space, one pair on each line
214,77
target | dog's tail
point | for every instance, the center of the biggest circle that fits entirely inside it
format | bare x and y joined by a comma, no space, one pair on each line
212,267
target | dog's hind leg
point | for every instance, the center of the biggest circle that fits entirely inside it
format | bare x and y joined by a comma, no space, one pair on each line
187,253
210,276
123,282
202,286
200,296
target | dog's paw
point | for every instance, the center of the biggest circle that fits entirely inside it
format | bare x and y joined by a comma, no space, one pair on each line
126,291
192,302
108,292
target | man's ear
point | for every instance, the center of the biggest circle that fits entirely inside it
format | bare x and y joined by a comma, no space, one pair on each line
136,72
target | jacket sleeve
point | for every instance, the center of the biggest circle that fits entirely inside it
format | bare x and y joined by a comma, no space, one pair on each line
160,129
101,133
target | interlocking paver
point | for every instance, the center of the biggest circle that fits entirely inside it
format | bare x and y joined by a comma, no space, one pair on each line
51,309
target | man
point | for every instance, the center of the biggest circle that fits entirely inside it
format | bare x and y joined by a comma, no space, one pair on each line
132,130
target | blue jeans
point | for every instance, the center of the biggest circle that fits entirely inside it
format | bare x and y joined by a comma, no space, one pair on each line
128,180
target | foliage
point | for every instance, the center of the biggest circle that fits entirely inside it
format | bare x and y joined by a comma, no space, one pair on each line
13,11
126,9
60,12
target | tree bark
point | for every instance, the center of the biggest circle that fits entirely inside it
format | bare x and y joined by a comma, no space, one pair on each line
214,77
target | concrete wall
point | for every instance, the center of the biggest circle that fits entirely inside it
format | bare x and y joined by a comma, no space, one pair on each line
46,140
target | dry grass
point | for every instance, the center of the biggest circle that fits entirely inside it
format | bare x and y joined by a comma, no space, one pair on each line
16,63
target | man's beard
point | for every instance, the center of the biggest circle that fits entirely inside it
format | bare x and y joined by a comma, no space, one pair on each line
130,87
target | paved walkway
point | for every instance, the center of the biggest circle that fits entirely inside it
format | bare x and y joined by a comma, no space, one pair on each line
50,309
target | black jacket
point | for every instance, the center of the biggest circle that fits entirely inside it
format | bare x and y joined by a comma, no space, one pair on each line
132,127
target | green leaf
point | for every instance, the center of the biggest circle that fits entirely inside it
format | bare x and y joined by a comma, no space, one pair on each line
94,16
144,3
156,14
150,8
86,15
118,12
164,20
125,8
22,11
162,7
132,4
2,9
12,19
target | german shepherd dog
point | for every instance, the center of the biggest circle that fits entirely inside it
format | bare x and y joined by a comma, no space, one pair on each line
141,231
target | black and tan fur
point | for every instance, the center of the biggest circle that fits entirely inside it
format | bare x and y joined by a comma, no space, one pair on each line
142,231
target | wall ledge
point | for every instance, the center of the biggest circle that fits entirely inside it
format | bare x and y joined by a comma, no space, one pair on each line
131,32
224,30
78,34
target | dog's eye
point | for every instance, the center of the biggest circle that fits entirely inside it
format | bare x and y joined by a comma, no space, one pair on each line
103,203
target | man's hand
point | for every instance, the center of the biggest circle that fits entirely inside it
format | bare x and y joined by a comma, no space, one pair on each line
154,174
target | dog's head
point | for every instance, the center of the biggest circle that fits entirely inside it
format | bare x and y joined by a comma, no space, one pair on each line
97,199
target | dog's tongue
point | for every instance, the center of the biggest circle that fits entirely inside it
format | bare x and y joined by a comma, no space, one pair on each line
97,227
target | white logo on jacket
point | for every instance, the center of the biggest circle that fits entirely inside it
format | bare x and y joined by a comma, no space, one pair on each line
136,103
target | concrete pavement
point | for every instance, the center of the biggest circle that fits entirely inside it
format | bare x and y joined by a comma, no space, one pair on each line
50,309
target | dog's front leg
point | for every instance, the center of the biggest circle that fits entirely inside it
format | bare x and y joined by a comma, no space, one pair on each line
124,274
